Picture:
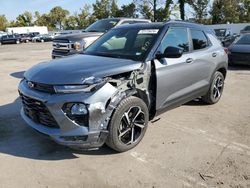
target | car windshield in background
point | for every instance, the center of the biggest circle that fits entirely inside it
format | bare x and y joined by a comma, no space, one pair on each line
245,39
247,28
124,43
220,32
102,25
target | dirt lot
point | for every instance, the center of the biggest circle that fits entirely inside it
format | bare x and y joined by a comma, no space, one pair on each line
192,146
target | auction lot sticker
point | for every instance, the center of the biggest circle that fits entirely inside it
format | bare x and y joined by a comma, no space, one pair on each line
148,31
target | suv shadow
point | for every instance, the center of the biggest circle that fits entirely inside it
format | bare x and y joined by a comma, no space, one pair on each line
17,139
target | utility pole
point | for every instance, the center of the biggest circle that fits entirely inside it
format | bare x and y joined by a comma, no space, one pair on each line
154,10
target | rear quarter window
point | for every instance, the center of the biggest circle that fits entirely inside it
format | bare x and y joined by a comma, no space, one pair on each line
199,39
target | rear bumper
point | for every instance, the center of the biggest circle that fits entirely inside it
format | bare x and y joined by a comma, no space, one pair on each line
239,59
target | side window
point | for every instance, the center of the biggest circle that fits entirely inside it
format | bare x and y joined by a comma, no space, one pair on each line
175,37
127,22
199,39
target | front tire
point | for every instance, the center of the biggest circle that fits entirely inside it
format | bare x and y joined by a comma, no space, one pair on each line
215,90
128,124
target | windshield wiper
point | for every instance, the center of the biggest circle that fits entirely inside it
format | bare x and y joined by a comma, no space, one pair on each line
108,55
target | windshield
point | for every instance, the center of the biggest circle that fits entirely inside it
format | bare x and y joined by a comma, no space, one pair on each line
102,25
220,32
124,43
247,28
245,39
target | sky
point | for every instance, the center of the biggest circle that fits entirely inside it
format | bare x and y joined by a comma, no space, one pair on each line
12,8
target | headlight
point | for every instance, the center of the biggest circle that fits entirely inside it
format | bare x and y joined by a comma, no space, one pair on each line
73,88
79,109
77,46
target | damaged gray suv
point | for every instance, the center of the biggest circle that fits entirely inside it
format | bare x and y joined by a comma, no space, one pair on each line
127,77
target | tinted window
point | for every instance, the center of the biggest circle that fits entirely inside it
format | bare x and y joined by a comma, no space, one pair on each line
247,28
127,22
199,39
245,39
102,25
220,32
175,37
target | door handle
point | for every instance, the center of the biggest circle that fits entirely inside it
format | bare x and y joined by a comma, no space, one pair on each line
214,54
189,60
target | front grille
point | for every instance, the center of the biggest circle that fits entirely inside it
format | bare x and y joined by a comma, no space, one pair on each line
38,112
62,45
41,87
61,52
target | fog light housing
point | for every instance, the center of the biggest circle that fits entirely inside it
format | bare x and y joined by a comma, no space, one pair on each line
79,109
77,112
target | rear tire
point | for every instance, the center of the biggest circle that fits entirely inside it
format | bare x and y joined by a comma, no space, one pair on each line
128,124
216,89
17,41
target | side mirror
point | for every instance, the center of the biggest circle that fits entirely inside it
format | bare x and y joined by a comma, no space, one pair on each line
170,52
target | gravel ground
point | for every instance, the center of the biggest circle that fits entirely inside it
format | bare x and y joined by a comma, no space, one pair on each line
194,145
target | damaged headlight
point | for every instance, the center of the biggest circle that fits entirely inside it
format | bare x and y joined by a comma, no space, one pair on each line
79,109
89,84
73,88
77,112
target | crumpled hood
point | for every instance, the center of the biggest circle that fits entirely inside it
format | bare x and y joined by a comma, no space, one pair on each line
74,69
239,48
78,36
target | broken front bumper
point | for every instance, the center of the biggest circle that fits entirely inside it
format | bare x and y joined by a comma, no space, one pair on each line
56,124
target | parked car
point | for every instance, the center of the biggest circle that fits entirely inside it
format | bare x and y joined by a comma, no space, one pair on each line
10,39
69,44
2,33
225,36
245,30
33,34
124,79
25,37
43,38
239,51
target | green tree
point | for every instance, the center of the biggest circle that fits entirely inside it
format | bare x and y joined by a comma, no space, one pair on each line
200,9
58,16
224,11
43,20
70,22
154,9
3,22
101,9
145,8
217,12
244,10
24,19
84,18
113,8
127,11
163,14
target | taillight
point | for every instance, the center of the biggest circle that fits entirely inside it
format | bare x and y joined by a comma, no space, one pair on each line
226,50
